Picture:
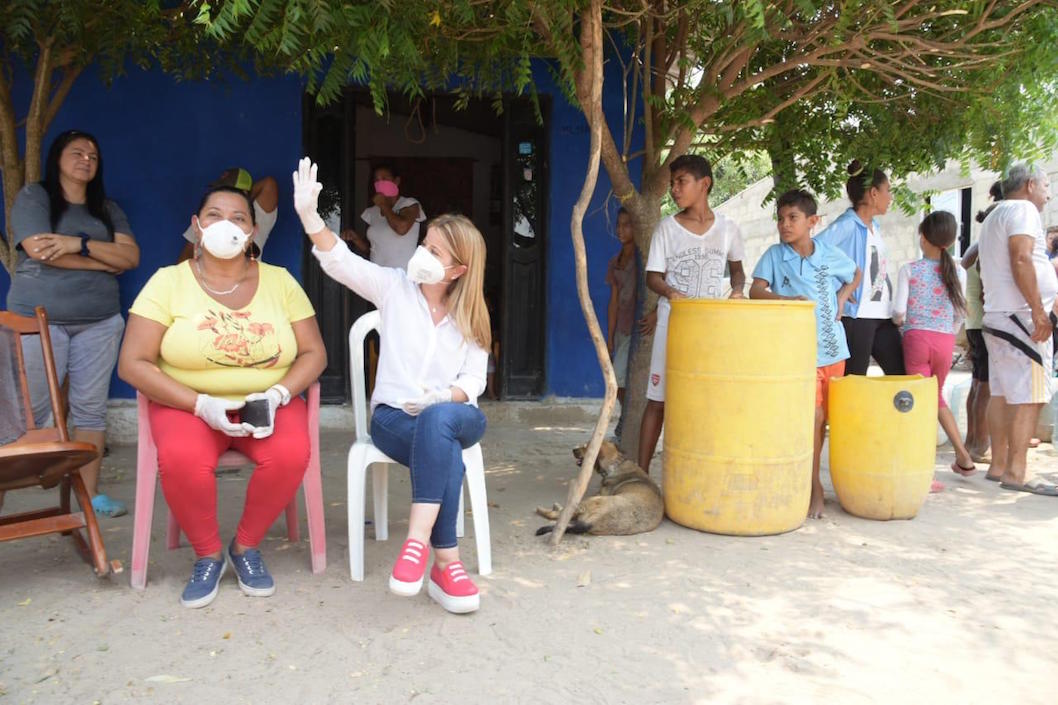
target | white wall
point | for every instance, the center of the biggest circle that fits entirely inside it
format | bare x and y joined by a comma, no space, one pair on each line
899,230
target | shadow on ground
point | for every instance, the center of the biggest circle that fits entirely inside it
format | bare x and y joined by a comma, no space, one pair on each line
956,606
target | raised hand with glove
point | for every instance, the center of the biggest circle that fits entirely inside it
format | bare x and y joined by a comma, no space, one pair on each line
307,197
276,396
416,406
214,411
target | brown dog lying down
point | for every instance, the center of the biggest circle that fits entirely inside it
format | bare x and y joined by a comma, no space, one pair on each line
628,501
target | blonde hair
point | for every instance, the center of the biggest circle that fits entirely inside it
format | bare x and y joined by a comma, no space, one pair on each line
466,295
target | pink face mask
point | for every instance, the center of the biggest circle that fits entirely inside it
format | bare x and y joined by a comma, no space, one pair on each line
386,188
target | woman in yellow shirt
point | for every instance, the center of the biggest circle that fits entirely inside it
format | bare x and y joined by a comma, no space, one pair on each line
205,338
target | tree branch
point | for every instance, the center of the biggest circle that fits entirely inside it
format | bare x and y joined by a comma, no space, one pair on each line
37,110
589,87
69,76
10,166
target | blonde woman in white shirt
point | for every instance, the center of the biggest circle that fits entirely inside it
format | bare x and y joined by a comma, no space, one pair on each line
431,370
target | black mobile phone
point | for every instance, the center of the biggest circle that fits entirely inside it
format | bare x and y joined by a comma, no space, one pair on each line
255,413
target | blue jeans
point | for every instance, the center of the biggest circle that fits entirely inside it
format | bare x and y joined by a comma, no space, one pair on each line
431,445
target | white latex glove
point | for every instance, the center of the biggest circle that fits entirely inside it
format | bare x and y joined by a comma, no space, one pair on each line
416,406
277,396
214,411
307,196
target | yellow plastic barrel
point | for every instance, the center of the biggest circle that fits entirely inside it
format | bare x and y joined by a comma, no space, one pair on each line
882,443
739,408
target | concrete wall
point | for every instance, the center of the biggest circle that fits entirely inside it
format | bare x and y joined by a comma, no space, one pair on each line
899,230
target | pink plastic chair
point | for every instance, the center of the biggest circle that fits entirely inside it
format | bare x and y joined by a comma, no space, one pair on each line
147,475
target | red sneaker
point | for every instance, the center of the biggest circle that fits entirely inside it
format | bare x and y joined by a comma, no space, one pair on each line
453,589
406,578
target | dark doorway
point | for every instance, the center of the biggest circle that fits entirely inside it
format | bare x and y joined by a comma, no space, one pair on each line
490,167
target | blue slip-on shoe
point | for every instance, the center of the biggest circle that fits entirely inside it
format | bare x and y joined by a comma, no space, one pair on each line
254,578
205,579
101,504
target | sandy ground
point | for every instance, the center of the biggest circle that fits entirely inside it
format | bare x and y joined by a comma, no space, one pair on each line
956,606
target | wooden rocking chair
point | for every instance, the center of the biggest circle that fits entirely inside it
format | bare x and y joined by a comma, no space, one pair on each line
44,457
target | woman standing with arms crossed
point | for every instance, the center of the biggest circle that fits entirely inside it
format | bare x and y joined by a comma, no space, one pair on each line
867,317
431,370
73,242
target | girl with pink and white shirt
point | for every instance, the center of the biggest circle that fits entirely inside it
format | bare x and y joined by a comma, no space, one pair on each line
929,307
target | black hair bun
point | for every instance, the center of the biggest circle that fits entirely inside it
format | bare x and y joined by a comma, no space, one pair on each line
855,168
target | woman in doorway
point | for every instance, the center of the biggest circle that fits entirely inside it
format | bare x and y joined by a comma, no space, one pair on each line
868,315
431,370
72,243
392,222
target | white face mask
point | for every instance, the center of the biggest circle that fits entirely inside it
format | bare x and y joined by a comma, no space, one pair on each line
224,239
425,268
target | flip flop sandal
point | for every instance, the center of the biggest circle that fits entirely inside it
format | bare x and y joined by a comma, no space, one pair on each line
960,470
1041,488
108,507
993,479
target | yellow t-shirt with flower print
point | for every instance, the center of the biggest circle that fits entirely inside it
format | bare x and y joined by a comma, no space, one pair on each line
220,351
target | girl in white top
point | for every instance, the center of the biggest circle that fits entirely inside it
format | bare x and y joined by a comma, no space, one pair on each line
432,367
868,328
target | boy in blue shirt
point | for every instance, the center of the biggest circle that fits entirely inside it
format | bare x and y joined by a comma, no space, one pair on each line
799,267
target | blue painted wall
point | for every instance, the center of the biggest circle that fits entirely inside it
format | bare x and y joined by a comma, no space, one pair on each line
163,140
572,367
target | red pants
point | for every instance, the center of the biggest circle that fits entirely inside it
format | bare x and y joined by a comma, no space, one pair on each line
928,353
188,450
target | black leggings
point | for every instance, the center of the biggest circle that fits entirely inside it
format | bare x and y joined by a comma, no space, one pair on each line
873,337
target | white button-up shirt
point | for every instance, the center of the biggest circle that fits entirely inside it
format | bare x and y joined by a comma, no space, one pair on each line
416,356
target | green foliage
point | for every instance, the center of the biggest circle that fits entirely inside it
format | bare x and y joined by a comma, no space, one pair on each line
735,172
404,47
999,106
810,82
108,33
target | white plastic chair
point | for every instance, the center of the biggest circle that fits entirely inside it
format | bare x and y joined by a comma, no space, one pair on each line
363,453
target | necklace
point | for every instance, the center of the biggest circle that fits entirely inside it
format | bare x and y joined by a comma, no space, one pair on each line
434,307
207,287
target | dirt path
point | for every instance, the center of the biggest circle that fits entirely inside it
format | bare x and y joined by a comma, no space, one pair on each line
957,606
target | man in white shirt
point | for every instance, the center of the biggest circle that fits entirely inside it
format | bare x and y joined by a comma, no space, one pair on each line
1020,287
392,222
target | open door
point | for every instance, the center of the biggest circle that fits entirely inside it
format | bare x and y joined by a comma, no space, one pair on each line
525,190
328,140
461,160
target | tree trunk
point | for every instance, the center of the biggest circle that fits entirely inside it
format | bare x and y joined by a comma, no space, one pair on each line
11,168
589,89
646,220
781,153
17,172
